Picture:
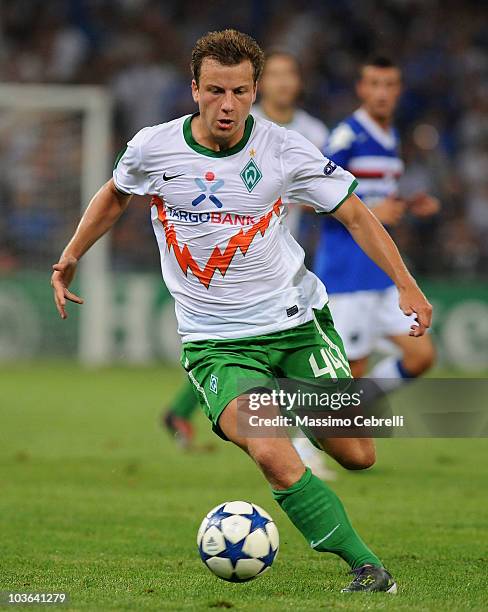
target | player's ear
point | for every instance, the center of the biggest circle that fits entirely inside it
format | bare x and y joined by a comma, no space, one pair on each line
194,91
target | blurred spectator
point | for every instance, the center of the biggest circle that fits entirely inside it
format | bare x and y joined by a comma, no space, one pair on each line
39,185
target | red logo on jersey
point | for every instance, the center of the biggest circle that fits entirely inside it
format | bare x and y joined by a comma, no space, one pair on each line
218,260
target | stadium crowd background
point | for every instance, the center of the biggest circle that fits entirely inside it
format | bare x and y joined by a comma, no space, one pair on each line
140,49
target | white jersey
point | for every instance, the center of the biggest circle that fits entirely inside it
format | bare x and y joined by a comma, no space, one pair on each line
232,268
312,128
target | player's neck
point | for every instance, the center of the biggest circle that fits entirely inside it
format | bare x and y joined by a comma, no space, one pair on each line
203,137
384,123
278,114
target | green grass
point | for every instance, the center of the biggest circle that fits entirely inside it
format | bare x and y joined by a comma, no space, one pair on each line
96,501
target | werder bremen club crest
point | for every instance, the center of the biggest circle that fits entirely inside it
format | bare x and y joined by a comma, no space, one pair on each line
251,175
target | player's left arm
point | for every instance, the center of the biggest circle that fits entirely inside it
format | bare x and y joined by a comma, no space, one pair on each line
375,241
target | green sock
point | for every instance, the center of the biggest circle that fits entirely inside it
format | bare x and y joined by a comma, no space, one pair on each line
318,513
186,402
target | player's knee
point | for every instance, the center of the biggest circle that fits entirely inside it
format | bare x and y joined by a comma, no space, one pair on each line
358,367
359,458
281,470
419,361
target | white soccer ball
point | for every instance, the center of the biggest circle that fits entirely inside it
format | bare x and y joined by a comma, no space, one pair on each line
238,541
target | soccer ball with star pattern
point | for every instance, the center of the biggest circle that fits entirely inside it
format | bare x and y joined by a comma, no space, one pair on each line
238,541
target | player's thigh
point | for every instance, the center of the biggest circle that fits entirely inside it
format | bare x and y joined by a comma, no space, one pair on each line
418,354
354,315
269,446
221,372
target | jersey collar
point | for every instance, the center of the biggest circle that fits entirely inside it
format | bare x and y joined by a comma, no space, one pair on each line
198,148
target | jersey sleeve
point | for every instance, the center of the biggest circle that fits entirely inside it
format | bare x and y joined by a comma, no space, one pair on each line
310,178
339,145
128,174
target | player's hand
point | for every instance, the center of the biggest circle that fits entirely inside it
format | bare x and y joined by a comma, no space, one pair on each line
423,205
64,272
390,210
413,301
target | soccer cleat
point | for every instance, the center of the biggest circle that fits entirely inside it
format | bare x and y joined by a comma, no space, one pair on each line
369,578
181,429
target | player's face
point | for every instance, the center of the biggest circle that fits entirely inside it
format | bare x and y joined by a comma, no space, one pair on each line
224,96
281,83
379,90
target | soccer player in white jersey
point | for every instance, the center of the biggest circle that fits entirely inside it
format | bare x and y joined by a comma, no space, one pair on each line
279,89
247,308
363,299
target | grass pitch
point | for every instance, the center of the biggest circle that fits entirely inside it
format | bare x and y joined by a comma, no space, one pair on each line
97,501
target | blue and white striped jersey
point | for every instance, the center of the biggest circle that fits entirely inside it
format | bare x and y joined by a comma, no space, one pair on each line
371,154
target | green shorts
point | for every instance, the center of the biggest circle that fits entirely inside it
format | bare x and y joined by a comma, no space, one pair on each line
221,370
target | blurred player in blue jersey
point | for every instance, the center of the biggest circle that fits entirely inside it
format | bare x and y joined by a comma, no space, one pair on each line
363,300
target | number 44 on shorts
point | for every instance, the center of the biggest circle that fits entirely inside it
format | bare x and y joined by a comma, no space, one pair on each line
333,360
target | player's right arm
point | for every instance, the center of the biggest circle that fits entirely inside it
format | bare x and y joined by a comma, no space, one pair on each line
103,211
129,177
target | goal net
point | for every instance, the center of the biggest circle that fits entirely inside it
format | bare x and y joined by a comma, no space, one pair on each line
54,154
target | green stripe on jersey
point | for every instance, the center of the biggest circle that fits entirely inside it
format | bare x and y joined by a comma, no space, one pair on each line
191,142
119,156
352,187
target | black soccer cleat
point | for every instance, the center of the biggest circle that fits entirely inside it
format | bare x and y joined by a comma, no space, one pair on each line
369,579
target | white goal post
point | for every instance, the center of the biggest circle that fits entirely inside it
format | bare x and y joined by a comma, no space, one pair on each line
94,106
